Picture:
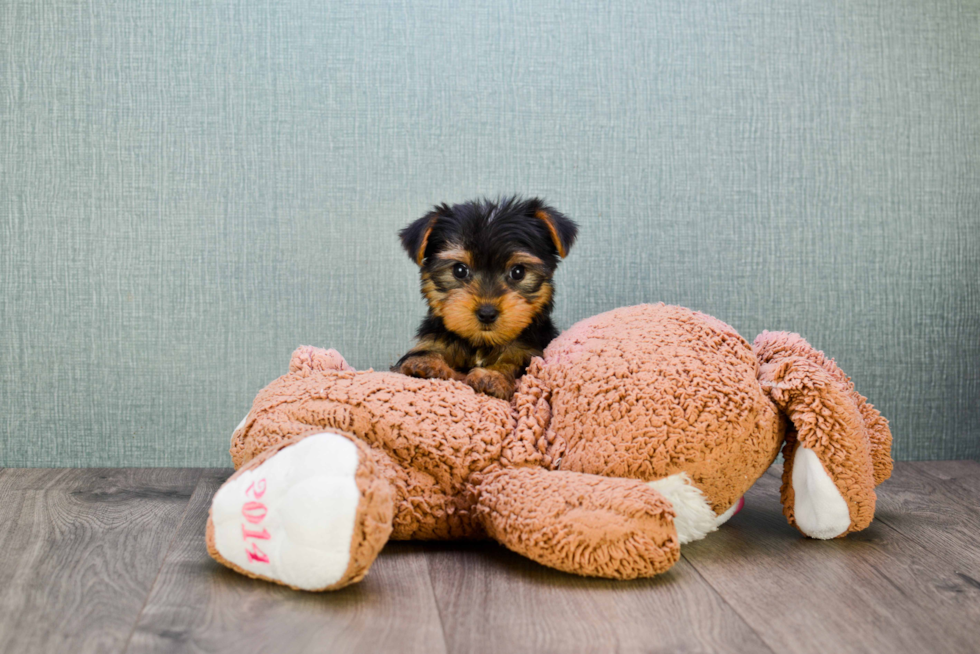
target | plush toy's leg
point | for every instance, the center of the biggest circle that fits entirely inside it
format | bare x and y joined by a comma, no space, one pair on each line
586,524
828,479
837,447
311,513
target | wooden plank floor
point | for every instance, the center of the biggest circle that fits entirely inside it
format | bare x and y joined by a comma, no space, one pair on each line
114,561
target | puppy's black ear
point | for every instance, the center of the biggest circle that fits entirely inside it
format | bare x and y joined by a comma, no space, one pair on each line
563,230
415,237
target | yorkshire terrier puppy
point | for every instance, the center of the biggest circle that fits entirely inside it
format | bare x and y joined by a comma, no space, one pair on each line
486,269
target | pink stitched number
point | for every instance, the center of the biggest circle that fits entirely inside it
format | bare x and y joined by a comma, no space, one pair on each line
256,555
262,535
254,512
256,488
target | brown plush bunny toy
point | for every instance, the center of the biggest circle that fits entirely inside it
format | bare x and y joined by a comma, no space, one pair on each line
639,430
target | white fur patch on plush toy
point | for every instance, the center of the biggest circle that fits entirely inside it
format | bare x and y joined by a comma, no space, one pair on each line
695,517
291,519
819,509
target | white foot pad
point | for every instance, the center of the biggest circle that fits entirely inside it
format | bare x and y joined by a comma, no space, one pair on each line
818,507
694,517
291,519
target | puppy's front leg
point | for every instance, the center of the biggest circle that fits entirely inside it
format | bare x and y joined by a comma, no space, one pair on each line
491,382
427,365
499,379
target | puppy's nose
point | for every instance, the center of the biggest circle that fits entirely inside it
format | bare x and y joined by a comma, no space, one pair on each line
487,313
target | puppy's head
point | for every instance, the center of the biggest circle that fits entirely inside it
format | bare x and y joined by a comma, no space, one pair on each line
487,265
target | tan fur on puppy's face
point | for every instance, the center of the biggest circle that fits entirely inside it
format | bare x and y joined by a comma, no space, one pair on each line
458,309
456,300
517,311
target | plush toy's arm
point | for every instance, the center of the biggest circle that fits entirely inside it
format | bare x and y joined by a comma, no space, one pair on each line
585,524
832,452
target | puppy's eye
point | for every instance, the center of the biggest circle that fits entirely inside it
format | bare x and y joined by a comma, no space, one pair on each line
460,271
517,273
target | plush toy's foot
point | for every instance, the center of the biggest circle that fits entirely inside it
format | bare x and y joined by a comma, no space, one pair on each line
819,509
840,446
311,514
693,516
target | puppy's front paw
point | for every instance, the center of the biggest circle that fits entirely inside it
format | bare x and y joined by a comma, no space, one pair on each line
427,366
490,382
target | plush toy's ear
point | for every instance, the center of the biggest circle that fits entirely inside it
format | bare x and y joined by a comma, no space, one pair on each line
415,237
562,230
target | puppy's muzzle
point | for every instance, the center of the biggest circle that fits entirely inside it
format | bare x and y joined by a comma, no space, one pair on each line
487,313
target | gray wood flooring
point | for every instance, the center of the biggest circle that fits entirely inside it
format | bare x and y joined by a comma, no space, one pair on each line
113,560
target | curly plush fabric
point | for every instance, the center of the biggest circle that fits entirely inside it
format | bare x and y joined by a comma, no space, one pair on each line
646,392
562,474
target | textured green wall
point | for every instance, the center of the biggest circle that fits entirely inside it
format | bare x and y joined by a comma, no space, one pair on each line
189,189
